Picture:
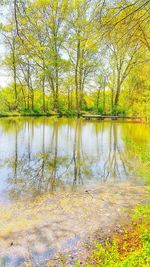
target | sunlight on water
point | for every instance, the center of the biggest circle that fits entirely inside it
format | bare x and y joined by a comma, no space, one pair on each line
39,155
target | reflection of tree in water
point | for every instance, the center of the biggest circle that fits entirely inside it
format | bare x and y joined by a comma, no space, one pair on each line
115,163
46,171
50,169
81,163
34,174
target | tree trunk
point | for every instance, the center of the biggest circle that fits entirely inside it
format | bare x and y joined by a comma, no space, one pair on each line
68,99
97,100
104,97
57,86
117,90
32,93
80,80
28,84
43,92
15,74
76,77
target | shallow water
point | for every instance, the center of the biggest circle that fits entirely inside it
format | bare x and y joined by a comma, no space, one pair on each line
59,224
61,180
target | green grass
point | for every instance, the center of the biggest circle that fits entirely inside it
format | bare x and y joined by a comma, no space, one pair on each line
132,249
26,113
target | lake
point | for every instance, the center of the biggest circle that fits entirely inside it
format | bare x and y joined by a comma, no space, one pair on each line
62,180
39,155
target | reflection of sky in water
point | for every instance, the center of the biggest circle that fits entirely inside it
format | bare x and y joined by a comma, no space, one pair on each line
43,154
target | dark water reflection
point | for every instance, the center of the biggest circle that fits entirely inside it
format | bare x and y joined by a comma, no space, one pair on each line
47,154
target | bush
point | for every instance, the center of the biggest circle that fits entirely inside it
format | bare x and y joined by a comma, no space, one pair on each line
118,110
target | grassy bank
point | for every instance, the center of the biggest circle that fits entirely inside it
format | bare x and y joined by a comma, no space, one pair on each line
65,114
19,114
130,249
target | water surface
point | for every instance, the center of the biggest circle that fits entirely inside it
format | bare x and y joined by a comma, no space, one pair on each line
39,155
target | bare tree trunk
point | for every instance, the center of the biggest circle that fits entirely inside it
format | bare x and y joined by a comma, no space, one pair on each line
80,80
32,98
117,90
112,91
15,73
76,77
28,83
104,96
68,99
32,92
43,92
56,73
97,100
112,98
24,98
43,86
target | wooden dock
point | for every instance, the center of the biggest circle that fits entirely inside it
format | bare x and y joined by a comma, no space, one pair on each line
112,117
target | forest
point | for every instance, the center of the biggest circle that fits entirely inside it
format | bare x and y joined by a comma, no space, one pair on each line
74,133
75,57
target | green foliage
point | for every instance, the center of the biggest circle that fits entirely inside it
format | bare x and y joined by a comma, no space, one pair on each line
58,63
70,113
118,110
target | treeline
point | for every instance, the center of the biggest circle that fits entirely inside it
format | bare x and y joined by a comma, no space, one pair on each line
73,56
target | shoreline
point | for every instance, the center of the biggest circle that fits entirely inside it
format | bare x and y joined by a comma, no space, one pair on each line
59,115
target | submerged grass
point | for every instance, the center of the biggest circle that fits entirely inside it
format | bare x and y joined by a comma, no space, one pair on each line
141,154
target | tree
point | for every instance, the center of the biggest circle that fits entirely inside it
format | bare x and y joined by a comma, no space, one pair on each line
82,48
